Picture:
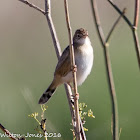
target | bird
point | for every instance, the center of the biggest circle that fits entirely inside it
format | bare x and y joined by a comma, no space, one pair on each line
83,52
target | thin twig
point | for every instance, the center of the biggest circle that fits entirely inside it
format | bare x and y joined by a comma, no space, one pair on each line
7,132
120,12
43,123
52,28
69,95
132,26
58,52
134,30
57,47
136,16
108,70
137,45
33,6
114,25
74,72
97,22
43,127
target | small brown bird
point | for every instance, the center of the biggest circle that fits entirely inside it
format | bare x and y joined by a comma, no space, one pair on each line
83,52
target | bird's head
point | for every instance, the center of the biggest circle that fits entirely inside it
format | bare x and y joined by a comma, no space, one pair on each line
80,36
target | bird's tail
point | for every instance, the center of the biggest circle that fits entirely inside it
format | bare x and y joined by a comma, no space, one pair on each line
47,94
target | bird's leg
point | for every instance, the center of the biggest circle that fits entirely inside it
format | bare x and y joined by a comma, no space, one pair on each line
75,97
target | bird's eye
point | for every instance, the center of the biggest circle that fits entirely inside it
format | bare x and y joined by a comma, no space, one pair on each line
78,35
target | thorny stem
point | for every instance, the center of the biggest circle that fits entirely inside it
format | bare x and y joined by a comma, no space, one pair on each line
74,72
108,70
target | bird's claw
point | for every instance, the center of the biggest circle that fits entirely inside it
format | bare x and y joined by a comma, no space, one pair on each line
74,68
76,96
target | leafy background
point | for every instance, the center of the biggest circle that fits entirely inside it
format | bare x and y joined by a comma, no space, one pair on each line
28,59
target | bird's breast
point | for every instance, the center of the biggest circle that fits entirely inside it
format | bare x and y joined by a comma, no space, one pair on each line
84,62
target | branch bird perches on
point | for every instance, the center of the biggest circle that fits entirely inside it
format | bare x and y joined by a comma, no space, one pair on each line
57,47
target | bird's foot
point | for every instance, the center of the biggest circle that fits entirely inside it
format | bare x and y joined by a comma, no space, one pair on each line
74,68
76,96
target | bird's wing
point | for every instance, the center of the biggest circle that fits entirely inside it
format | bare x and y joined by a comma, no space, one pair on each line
64,65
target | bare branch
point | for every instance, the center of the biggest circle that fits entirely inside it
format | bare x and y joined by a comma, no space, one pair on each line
114,25
108,70
43,127
58,53
132,26
33,6
97,22
74,72
69,95
7,132
137,45
135,35
58,50
57,47
52,28
136,17
120,12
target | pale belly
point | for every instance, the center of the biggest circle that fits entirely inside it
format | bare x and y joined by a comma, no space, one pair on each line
84,66
84,62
